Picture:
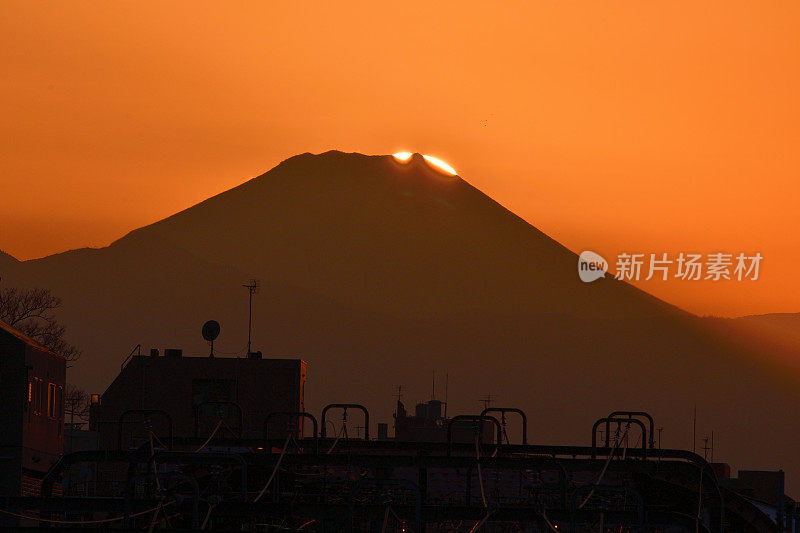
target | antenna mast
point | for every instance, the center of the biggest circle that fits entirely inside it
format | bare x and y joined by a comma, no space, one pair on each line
487,400
446,380
252,288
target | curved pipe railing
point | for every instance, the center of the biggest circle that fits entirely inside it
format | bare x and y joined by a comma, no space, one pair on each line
345,407
504,410
298,414
144,412
607,421
478,428
643,414
708,476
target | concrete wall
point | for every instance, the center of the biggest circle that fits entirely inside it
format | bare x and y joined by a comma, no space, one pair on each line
183,386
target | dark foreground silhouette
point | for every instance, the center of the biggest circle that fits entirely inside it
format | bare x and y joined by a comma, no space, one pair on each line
377,273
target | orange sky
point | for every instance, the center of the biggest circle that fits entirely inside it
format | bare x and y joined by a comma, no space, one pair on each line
611,125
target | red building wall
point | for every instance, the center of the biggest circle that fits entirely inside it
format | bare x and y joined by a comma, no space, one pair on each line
32,381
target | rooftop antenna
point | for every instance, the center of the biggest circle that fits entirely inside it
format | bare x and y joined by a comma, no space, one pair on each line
712,445
399,392
487,400
694,430
446,379
252,288
211,332
433,386
706,447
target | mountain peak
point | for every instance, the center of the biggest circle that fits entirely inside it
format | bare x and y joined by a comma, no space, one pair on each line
403,163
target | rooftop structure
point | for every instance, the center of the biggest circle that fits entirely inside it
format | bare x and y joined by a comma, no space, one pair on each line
172,396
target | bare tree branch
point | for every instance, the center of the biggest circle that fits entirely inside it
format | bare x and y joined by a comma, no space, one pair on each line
76,404
31,312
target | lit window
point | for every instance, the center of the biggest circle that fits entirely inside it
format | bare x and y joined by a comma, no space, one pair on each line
51,400
38,393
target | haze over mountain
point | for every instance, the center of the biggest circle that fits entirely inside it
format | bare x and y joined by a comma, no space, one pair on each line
379,273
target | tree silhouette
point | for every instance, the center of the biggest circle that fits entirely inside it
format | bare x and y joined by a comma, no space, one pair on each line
76,404
31,311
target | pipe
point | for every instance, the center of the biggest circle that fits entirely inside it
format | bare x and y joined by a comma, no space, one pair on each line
503,411
607,421
346,406
631,414
300,414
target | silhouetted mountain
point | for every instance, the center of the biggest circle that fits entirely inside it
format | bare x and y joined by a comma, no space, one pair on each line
789,321
379,273
397,238
779,331
6,259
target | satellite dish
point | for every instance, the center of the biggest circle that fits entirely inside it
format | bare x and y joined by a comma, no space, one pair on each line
211,330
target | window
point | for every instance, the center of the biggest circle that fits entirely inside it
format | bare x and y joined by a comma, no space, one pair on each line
40,396
59,414
212,390
38,392
51,401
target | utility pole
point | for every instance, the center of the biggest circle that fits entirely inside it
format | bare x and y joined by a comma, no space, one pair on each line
252,288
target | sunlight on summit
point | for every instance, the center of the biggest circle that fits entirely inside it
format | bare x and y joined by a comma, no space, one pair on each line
438,164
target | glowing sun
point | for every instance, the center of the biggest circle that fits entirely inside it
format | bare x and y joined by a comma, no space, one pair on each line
440,165
435,162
